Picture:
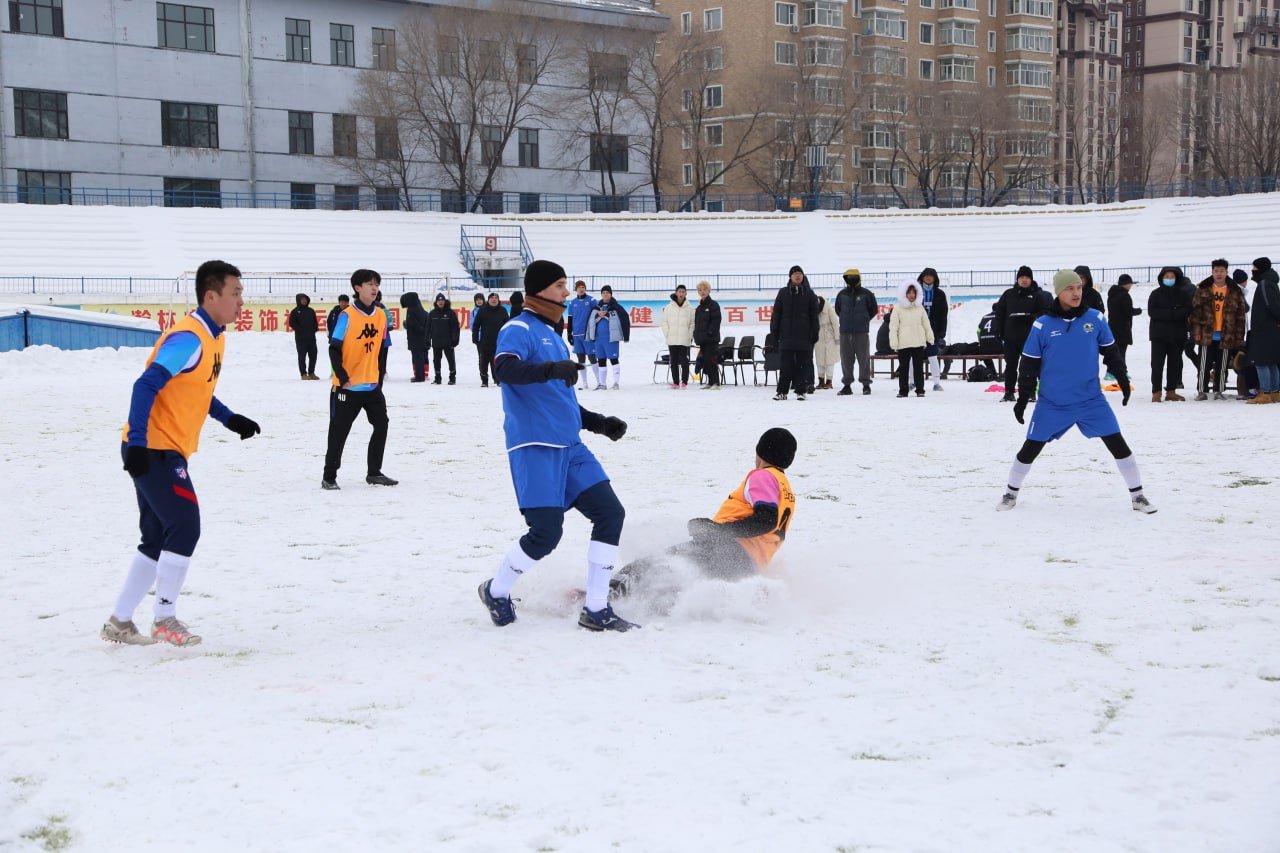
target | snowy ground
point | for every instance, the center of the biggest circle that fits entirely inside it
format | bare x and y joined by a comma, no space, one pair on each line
927,675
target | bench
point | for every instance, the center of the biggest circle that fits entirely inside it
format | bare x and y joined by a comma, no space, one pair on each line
965,362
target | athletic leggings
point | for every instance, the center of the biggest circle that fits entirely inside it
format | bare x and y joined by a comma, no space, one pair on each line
546,523
1114,442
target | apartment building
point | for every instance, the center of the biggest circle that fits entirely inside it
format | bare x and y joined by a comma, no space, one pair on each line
1087,113
255,96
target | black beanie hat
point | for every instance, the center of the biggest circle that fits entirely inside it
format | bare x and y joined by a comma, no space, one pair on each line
1239,276
606,289
1024,270
1125,279
777,447
795,268
542,274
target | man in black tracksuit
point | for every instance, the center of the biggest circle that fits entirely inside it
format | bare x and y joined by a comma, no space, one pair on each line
706,334
490,318
1092,296
302,320
415,334
1018,308
794,326
443,332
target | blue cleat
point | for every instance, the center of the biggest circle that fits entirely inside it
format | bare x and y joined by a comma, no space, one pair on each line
501,610
604,620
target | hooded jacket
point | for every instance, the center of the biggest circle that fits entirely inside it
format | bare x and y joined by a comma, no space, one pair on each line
443,329
828,349
938,307
517,304
794,324
1234,312
302,319
489,321
882,334
1092,297
1264,321
856,307
1017,309
333,315
1170,308
677,322
415,321
609,322
706,323
909,325
1120,305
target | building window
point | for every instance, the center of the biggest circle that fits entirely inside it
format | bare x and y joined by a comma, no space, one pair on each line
40,114
963,69
959,4
686,139
824,13
192,192
926,4
714,134
1138,59
991,75
184,27
784,14
926,33
991,41
713,20
344,135
527,63
885,61
1035,109
449,56
880,22
302,196
713,97
784,170
686,100
880,173
991,8
490,59
1033,39
713,59
1035,8
926,69
607,72
1035,74
36,17
384,49
825,52
491,144
302,137
37,187
386,198
528,144
342,45
686,23
958,32
189,125
609,153
877,136
297,40
714,172
784,53
386,138
1027,146
530,203
686,174
346,197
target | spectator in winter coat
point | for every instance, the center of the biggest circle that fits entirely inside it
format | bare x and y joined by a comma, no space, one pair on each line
416,336
934,300
1217,325
827,352
443,332
795,327
343,302
1092,297
882,338
677,331
1018,308
988,342
1264,331
302,319
579,315
706,334
490,318
517,303
1120,307
1169,308
609,328
476,302
856,307
909,333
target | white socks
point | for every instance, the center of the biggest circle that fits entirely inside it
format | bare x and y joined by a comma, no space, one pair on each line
936,363
600,562
142,574
1129,470
171,572
617,374
514,564
1017,474
602,374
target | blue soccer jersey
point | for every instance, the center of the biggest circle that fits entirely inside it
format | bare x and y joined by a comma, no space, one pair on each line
1068,352
580,309
541,413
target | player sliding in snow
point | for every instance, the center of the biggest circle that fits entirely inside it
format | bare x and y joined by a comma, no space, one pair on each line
1062,353
749,527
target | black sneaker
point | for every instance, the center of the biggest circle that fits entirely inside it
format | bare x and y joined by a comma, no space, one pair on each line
846,391
779,396
866,389
380,480
453,380
604,620
501,610
330,485
919,393
1007,398
902,394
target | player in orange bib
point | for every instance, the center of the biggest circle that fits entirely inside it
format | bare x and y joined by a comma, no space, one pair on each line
748,529
170,402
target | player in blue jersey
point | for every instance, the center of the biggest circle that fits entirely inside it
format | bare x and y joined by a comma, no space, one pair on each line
1062,354
551,468
579,312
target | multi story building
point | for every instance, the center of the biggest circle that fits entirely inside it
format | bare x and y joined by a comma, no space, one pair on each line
1087,112
256,96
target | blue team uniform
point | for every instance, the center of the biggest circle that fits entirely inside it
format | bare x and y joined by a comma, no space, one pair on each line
609,332
580,308
1070,394
550,466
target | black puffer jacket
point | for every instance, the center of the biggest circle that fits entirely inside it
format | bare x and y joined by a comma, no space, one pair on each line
795,317
1120,304
938,307
1170,308
302,319
1017,309
1264,321
415,322
443,329
706,323
489,321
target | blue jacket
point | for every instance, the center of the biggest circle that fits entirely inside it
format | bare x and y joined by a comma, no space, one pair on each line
614,328
580,308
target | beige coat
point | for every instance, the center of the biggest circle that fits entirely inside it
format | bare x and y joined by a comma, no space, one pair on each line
677,324
909,325
828,350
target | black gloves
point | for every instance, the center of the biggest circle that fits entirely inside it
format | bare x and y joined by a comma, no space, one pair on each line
1125,391
242,427
570,330
702,528
613,428
1019,408
137,461
566,371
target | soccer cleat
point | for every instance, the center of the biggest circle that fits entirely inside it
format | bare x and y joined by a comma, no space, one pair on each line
604,620
380,480
937,386
1201,397
124,633
170,630
779,396
330,485
501,610
616,386
1008,502
1141,504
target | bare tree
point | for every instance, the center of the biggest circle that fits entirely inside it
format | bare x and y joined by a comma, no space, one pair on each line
1242,123
926,141
1158,123
654,91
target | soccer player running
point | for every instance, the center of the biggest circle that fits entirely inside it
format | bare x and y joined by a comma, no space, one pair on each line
550,466
1062,353
170,402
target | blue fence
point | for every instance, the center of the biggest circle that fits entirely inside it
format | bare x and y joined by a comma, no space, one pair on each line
525,203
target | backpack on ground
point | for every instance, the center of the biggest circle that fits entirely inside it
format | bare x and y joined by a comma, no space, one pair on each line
981,373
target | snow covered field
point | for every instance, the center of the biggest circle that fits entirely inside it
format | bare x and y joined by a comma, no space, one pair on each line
927,675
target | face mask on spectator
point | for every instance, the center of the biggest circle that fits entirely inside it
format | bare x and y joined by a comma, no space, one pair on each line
1168,282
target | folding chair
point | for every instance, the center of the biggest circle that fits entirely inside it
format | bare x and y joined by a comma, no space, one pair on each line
661,360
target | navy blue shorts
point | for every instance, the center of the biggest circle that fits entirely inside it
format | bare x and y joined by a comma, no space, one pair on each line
168,509
553,476
606,349
1094,418
582,346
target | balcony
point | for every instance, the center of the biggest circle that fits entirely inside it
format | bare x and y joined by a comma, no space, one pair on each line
1260,23
1096,8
